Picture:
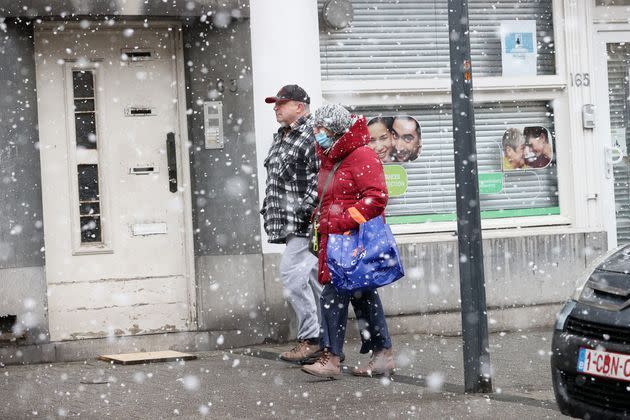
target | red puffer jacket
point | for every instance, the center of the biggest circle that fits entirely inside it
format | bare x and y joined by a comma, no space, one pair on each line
358,182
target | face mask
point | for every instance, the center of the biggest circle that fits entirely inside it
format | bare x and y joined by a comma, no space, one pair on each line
323,140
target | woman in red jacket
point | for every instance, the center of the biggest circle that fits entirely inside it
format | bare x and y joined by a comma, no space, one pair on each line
356,189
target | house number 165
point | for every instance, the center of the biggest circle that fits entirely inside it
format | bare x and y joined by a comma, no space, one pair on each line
580,79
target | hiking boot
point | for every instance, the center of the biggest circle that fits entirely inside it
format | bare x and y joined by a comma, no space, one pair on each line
315,357
303,352
382,363
327,366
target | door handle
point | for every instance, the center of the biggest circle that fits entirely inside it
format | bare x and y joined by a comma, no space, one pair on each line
610,160
611,151
171,159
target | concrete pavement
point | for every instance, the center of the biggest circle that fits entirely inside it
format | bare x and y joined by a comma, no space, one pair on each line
252,383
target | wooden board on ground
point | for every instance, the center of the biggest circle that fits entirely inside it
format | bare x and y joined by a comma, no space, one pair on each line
146,357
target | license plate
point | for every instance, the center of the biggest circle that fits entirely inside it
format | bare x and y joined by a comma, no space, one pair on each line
604,364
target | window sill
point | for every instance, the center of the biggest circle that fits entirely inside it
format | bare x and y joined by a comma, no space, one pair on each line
346,90
93,250
493,234
491,228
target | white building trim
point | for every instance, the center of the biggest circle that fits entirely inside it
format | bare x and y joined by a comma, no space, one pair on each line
285,50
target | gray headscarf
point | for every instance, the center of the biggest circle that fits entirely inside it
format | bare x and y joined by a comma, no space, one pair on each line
333,117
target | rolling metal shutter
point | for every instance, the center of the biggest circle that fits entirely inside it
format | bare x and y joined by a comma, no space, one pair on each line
618,91
401,39
431,178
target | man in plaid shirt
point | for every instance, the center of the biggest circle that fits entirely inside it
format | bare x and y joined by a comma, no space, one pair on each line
290,198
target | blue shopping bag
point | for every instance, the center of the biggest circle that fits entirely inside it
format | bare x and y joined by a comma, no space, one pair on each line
364,259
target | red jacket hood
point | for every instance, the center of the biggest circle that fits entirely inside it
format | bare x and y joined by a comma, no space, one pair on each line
356,137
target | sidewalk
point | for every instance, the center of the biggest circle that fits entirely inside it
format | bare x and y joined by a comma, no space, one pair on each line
252,383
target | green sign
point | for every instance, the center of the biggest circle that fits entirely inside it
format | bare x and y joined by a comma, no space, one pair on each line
487,214
491,183
396,179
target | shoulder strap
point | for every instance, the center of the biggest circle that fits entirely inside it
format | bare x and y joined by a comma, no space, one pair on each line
330,176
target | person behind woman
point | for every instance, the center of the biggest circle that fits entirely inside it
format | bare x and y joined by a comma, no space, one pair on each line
358,185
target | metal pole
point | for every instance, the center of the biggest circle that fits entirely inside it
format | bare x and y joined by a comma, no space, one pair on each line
477,369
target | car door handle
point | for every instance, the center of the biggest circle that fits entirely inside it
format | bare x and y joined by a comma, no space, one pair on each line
171,159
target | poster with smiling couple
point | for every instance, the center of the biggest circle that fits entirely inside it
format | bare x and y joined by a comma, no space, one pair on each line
395,139
530,148
399,139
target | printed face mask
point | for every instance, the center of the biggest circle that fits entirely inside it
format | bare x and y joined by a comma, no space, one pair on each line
323,140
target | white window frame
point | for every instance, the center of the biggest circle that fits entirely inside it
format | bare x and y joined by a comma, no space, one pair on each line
87,157
433,91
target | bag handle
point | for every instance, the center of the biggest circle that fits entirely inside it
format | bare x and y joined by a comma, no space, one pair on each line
356,215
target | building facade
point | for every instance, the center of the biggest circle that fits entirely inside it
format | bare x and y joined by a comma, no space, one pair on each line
133,139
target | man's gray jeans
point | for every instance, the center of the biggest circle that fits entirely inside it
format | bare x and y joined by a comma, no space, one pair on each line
298,272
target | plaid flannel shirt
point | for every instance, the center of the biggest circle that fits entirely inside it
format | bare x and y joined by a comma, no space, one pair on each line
291,188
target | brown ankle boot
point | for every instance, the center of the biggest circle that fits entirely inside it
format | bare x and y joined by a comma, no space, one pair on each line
303,352
328,366
382,363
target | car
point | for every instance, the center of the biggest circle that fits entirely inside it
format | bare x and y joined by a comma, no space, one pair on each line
590,361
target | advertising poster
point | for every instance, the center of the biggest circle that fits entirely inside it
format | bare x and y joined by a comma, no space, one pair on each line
530,148
395,139
396,180
518,47
516,167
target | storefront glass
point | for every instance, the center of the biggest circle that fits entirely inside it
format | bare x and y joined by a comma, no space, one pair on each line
406,39
514,181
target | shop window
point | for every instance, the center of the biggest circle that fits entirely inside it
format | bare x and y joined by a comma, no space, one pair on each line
515,157
405,39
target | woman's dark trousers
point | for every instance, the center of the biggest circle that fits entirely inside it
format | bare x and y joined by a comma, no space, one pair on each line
370,316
